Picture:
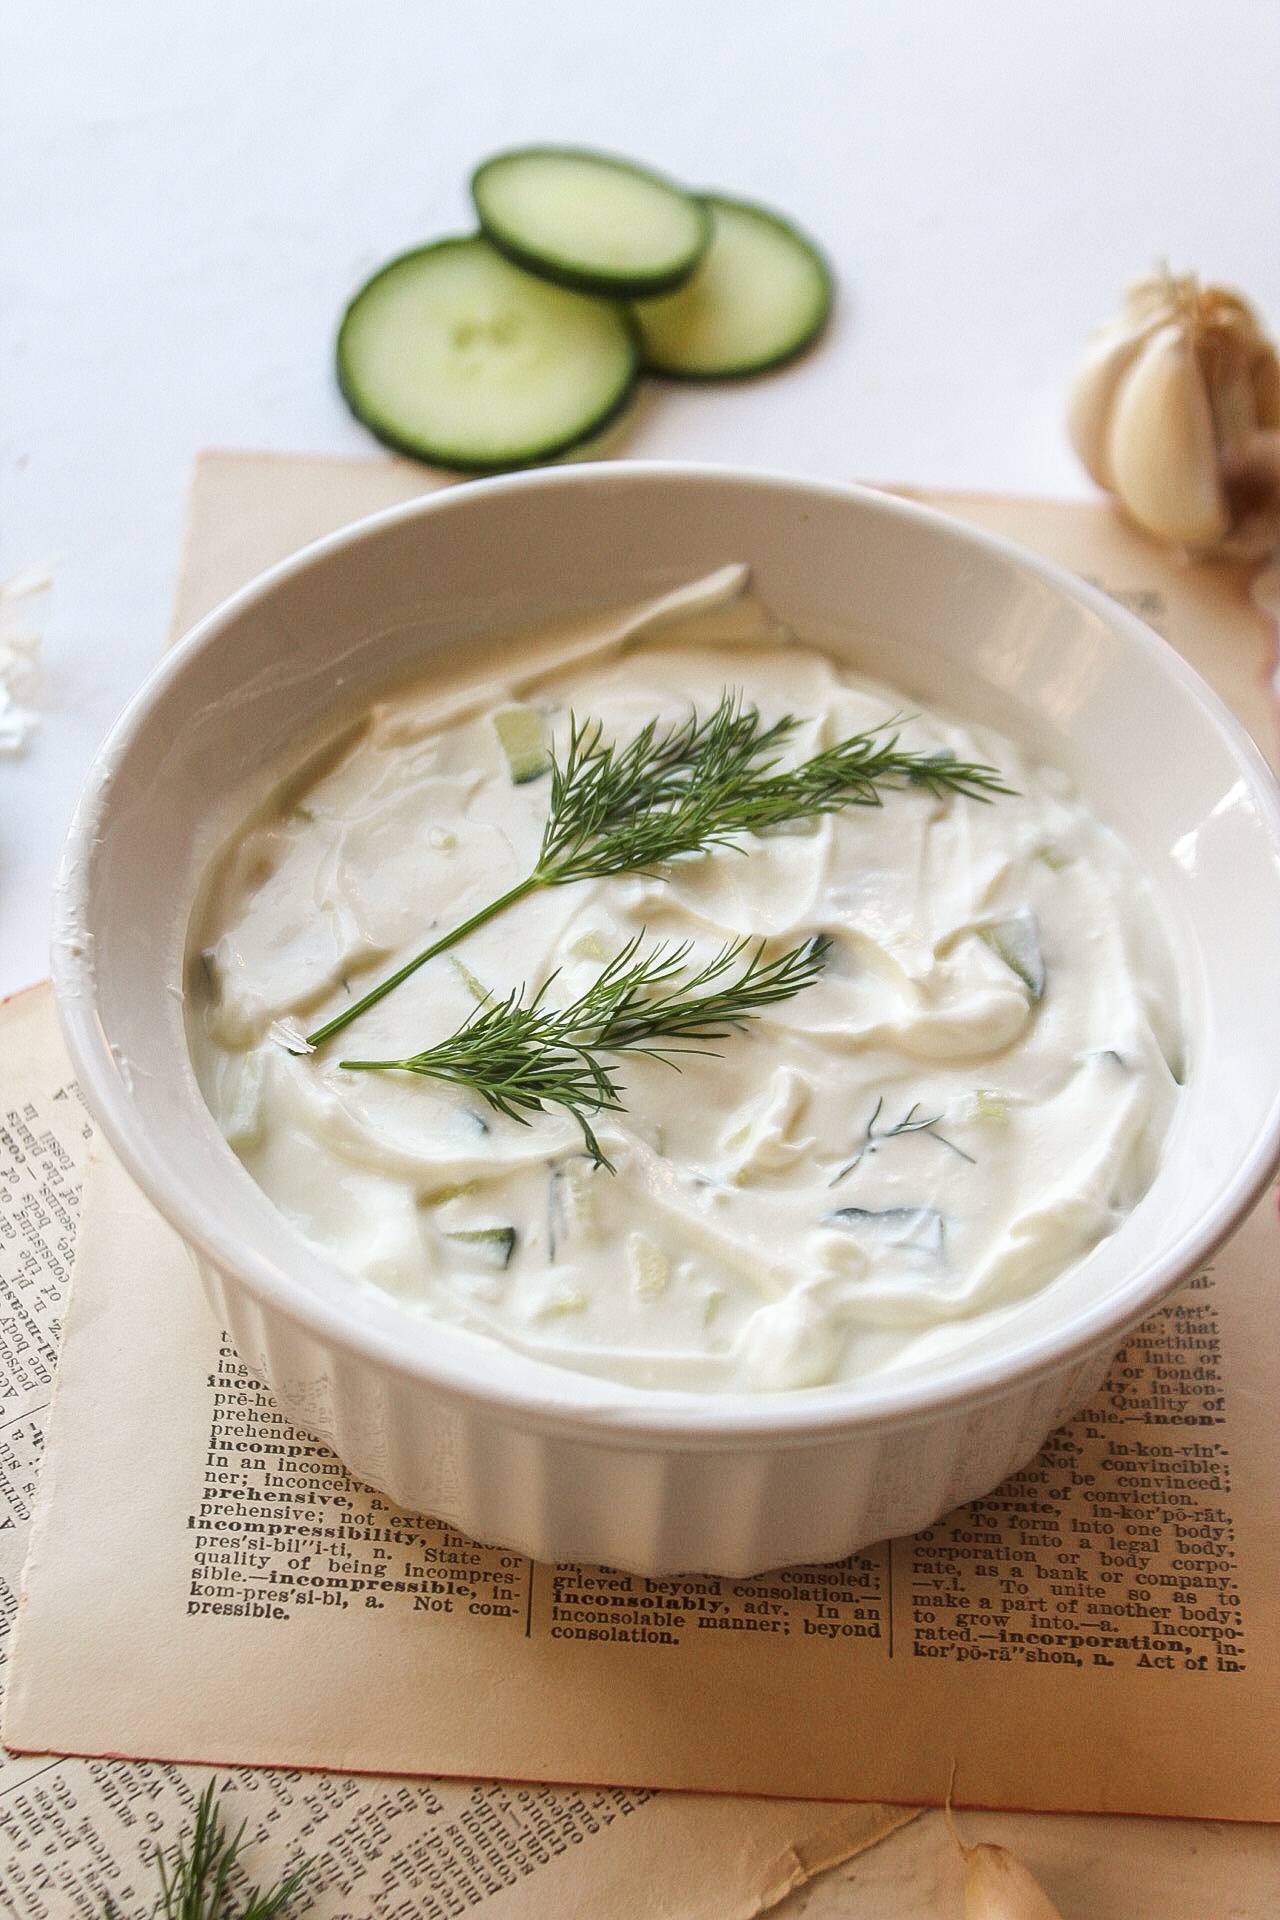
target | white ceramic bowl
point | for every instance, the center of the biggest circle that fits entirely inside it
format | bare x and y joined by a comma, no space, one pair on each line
556,1464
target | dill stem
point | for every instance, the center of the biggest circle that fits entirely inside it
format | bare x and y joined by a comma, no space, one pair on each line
698,786
446,940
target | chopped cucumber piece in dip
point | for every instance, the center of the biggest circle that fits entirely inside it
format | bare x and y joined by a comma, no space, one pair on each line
589,946
1017,941
440,1196
572,1201
917,1229
243,1122
519,731
1053,858
649,1266
475,987
491,1246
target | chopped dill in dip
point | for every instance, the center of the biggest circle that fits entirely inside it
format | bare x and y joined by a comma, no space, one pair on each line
963,1084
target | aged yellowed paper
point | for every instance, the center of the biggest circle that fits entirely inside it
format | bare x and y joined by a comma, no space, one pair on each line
72,1831
1123,1586
69,1828
287,501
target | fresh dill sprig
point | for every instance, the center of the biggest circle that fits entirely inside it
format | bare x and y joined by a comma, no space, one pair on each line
875,1137
523,1056
616,809
688,788
195,1883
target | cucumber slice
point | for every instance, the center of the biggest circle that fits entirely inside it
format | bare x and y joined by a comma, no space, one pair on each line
590,220
520,735
457,357
760,297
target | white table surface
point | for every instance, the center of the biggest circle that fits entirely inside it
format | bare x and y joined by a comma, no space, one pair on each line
188,194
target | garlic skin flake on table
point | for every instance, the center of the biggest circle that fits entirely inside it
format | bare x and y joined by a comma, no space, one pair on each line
996,1884
998,1887
1175,411
22,604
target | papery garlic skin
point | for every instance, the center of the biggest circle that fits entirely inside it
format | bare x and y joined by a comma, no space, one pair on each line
998,1887
1169,397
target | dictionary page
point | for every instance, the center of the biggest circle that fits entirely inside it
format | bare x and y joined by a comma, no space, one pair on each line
243,1600
72,1831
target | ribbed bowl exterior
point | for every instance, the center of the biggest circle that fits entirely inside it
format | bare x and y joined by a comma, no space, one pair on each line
651,1510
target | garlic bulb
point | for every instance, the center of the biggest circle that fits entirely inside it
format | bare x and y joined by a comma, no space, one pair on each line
1176,411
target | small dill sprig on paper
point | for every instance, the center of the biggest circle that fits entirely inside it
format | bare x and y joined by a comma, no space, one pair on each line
523,1056
195,1880
687,789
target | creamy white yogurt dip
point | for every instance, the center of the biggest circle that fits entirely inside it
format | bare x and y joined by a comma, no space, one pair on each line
974,1093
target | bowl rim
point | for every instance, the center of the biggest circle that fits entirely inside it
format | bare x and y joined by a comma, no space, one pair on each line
613,1412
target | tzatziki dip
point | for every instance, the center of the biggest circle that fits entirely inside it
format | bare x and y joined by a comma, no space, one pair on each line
961,1085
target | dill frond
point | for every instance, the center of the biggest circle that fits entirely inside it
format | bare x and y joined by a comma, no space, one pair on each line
196,1876
688,789
524,1056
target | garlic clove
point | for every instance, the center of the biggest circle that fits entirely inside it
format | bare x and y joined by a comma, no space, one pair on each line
998,1887
1225,354
1251,484
1093,393
1161,448
1266,387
